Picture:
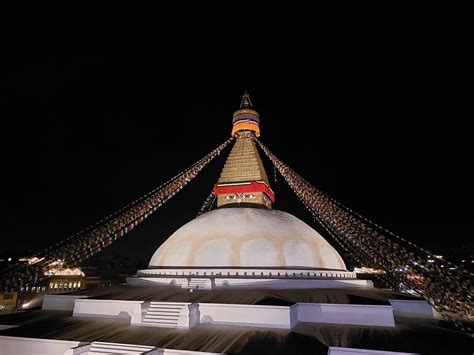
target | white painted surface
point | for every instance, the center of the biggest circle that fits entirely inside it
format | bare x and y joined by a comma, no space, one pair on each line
352,351
286,284
250,282
99,347
184,352
60,302
247,237
161,281
107,309
246,315
370,315
29,346
414,308
251,273
186,315
219,250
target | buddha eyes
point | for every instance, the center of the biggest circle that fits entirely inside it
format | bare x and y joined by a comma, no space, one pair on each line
245,196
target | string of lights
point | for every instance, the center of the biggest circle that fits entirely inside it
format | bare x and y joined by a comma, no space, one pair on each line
44,253
81,249
207,205
447,289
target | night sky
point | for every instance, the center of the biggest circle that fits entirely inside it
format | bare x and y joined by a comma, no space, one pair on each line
101,105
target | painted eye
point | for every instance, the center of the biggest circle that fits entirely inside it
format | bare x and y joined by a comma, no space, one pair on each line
230,197
248,196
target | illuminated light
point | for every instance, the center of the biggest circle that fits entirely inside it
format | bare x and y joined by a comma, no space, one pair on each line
368,270
64,272
372,245
31,260
100,235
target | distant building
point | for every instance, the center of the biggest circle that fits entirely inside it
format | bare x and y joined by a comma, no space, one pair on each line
8,301
60,280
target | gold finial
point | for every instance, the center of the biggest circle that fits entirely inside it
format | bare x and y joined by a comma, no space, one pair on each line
246,118
246,102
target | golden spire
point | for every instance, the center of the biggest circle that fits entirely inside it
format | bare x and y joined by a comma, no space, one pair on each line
243,181
246,118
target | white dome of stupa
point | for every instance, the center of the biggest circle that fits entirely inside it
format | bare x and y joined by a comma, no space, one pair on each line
247,237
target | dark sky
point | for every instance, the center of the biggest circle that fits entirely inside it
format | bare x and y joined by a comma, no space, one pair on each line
101,105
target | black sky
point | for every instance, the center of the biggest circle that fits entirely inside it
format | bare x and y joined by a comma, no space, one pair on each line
101,105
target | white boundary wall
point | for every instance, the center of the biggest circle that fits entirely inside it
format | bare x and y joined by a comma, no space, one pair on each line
371,315
60,302
348,351
273,283
29,346
295,283
244,314
157,281
247,315
108,309
163,351
250,273
414,308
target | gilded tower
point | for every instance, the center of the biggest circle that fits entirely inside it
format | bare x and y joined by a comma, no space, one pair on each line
243,181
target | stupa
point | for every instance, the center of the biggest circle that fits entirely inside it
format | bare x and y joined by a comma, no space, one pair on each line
244,242
241,279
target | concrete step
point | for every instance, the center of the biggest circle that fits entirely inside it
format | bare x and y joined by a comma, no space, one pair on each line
165,309
199,283
118,348
171,313
160,324
163,320
161,316
164,314
169,303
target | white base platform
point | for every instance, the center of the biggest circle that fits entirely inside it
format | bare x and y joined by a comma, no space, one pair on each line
247,283
414,308
278,278
186,315
252,273
28,346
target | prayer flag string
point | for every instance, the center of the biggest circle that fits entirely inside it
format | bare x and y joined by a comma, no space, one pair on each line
447,289
82,246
